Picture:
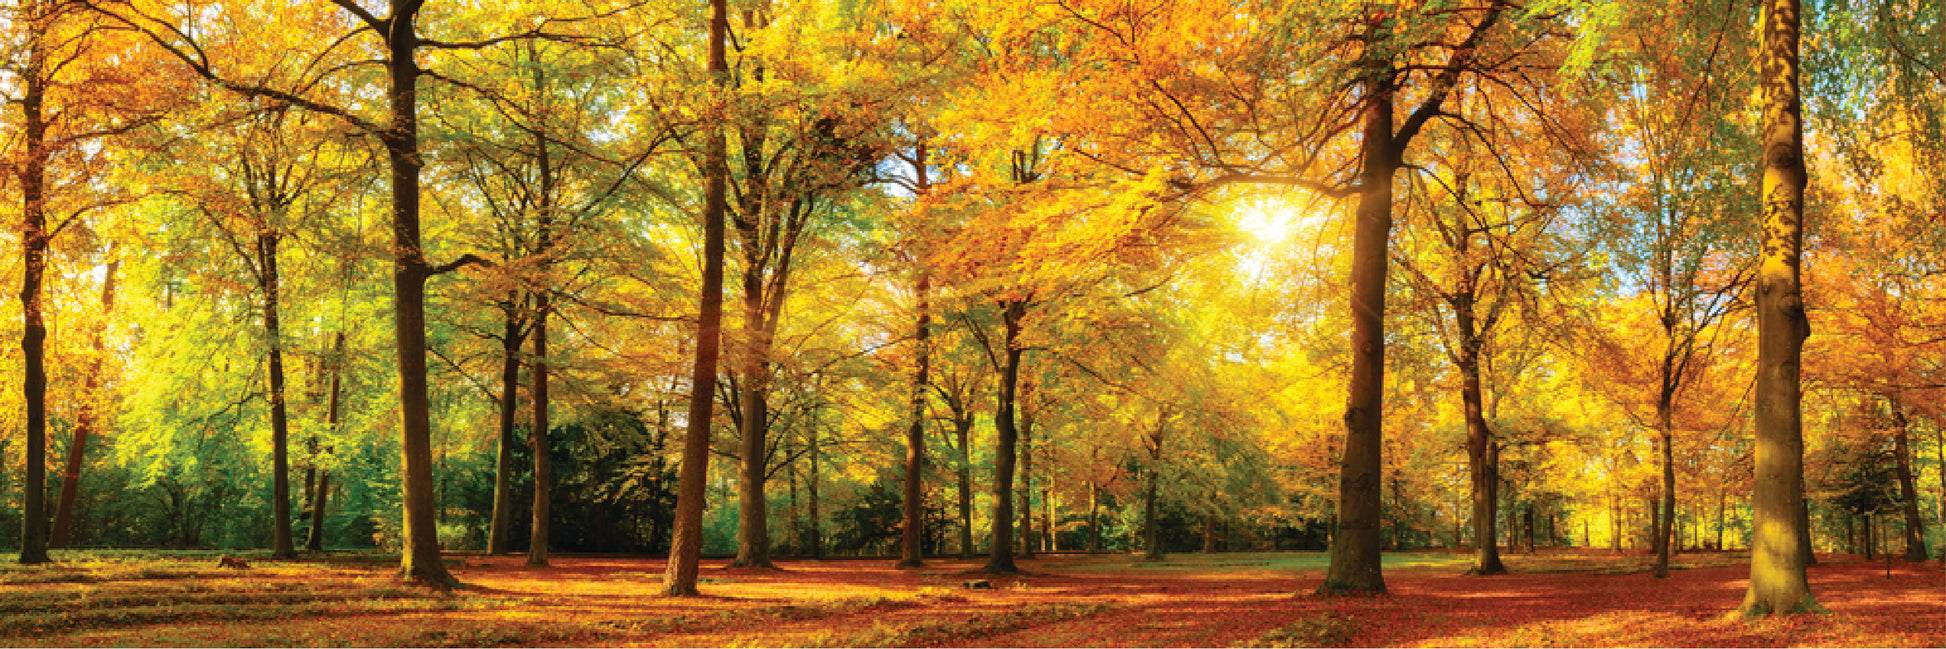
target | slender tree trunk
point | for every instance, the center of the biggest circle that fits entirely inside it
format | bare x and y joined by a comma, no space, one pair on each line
791,519
513,336
1915,526
1355,549
915,434
1051,541
1152,493
815,530
84,421
962,429
314,538
280,508
1000,559
538,437
685,552
1778,584
33,254
1026,485
1664,422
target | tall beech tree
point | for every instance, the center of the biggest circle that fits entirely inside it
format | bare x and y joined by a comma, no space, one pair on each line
685,551
221,58
1778,585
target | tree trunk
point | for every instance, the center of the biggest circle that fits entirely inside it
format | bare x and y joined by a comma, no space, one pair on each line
1482,451
1915,526
270,284
962,429
1778,584
513,336
1000,559
685,552
1667,507
84,421
1151,509
815,531
1051,540
1094,518
1355,549
537,436
33,256
1026,485
753,517
1871,542
915,434
314,538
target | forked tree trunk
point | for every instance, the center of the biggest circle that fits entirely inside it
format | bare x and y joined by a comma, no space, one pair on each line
320,495
1000,557
513,336
1780,552
685,552
1915,527
84,421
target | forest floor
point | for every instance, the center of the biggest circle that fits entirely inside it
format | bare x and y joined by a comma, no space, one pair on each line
1558,597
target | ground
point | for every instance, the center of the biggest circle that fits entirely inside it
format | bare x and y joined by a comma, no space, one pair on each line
1227,599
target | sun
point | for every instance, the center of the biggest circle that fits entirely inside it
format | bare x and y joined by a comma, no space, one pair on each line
1272,219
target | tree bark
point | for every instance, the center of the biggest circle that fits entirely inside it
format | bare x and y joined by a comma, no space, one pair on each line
1151,509
815,531
1000,559
1094,518
1665,430
280,430
1026,489
1355,548
33,255
962,430
538,435
1915,526
314,538
84,421
915,434
1778,584
1482,450
685,552
513,336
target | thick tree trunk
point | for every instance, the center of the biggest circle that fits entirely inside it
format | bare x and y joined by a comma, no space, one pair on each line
33,256
1482,452
513,336
915,434
1000,559
280,463
753,517
84,421
685,552
1778,584
1355,549
1094,518
537,437
1915,526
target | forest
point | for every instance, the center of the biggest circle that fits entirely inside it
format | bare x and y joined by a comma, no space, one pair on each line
977,283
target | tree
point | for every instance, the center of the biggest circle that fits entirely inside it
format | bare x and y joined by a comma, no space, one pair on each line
1778,585
685,552
397,36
